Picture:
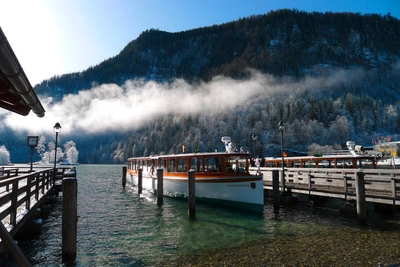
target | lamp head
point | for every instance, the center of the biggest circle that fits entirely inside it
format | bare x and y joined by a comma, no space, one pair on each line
57,128
281,125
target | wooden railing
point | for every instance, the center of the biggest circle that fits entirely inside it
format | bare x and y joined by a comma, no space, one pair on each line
18,195
8,172
381,185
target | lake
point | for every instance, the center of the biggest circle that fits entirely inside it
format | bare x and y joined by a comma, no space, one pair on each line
117,227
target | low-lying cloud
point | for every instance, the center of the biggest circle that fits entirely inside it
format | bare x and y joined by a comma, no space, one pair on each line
110,107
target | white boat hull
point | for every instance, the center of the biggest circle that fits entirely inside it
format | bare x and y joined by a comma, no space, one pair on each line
242,194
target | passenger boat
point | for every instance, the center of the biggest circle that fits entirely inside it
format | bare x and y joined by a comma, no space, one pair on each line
324,161
220,177
356,158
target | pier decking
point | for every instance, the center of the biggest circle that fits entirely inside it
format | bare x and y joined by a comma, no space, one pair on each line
381,185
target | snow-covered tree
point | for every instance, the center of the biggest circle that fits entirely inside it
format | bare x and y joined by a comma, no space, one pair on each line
41,147
4,156
51,146
68,145
46,157
59,155
72,155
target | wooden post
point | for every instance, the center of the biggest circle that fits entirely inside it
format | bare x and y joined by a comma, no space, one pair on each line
140,179
124,176
393,186
191,194
28,192
345,187
37,187
276,194
15,250
69,218
361,203
160,186
14,200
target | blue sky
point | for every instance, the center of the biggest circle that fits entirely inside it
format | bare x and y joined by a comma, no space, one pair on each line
54,37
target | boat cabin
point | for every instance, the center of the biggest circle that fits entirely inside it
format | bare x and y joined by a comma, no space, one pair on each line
336,161
218,162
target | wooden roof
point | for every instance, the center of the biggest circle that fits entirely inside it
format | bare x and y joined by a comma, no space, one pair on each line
16,92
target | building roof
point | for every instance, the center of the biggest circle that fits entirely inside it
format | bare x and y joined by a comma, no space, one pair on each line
16,92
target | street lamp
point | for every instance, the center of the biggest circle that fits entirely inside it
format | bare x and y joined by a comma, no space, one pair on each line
281,126
254,137
56,129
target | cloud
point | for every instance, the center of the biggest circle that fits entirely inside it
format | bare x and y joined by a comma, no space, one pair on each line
135,104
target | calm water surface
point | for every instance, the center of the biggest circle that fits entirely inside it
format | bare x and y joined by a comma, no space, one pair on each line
117,227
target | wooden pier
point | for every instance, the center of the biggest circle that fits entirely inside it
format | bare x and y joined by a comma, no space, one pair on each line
21,193
381,185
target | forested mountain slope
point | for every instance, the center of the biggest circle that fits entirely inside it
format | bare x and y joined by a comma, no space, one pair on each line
332,77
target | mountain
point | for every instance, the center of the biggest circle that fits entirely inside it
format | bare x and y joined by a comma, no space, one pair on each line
331,77
284,42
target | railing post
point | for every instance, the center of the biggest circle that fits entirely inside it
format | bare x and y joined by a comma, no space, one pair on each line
275,188
42,180
345,186
191,194
393,186
28,192
361,203
160,186
37,188
46,174
14,199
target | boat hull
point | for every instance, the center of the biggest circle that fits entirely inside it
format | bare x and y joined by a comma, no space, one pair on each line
243,192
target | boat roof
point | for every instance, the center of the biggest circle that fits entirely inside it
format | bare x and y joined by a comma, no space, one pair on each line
193,155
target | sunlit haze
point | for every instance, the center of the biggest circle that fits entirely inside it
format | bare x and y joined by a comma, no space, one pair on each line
109,107
58,37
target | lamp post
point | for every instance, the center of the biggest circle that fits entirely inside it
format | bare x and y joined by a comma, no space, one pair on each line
56,129
281,126
254,137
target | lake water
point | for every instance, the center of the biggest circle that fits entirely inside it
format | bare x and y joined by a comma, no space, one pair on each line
116,227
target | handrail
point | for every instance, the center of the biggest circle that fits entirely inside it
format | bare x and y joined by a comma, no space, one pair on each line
381,185
18,191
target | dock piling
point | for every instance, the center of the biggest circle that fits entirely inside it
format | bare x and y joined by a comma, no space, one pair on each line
191,194
140,179
69,218
276,194
124,176
361,203
160,186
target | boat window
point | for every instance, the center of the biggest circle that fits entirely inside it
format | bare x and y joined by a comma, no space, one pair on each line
171,165
235,164
271,163
182,165
212,164
196,164
163,164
